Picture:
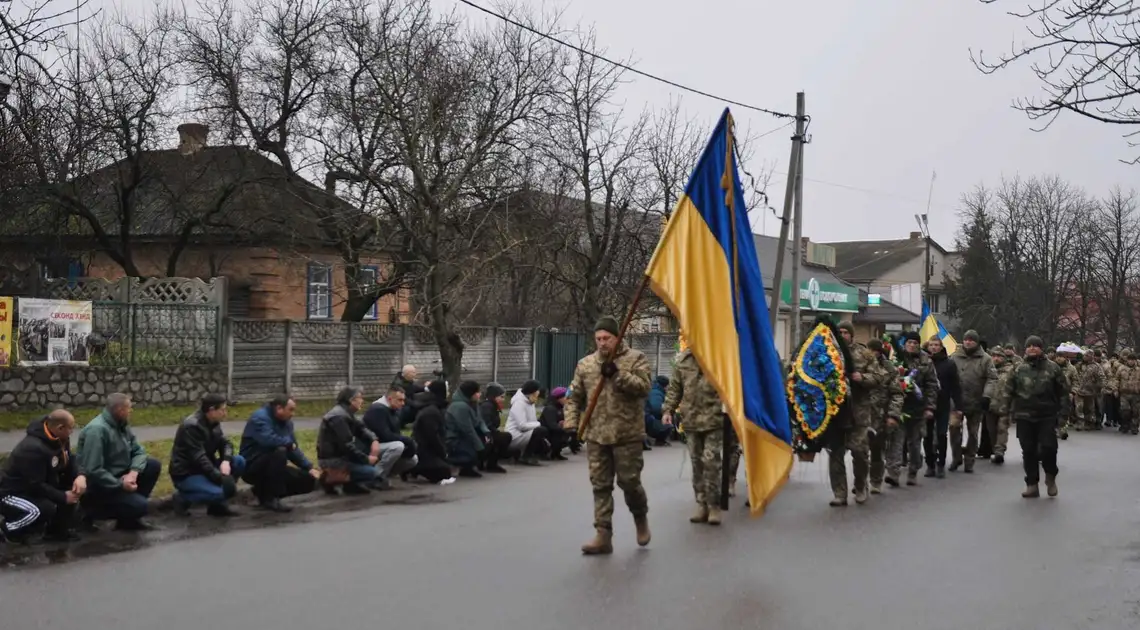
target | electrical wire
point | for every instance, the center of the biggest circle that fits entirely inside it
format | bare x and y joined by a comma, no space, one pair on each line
623,66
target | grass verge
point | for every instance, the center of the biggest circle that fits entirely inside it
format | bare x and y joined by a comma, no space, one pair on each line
159,415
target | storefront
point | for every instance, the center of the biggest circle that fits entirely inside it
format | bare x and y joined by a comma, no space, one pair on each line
818,294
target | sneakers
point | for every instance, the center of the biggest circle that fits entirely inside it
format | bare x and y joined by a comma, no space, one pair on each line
1031,492
447,482
601,544
1051,485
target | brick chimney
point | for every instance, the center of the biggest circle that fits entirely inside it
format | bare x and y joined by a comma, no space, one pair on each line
192,138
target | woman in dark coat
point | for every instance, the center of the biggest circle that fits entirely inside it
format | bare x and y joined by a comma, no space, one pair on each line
428,432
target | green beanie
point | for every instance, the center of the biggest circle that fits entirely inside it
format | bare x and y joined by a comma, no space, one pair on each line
607,324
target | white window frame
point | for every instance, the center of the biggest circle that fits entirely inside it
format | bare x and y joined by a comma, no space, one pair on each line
373,313
318,291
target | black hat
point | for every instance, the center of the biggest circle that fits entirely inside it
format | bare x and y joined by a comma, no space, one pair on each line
438,390
607,324
912,336
1034,340
530,387
469,388
494,390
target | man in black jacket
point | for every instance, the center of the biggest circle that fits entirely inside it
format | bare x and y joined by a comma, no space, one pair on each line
345,447
397,453
203,465
41,485
937,439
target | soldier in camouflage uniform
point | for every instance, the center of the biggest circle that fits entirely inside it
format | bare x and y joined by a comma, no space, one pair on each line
918,407
997,422
1038,394
1086,391
888,399
1070,371
978,378
615,432
703,412
1110,401
866,377
1128,382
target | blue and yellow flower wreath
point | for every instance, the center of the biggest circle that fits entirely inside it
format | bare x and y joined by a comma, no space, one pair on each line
817,386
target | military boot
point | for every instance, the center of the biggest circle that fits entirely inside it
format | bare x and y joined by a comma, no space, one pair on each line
603,543
955,465
641,522
1031,491
929,471
1051,485
876,488
998,458
714,516
701,515
861,496
969,466
940,471
838,502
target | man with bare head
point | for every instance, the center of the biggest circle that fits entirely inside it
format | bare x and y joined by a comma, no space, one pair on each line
40,484
121,474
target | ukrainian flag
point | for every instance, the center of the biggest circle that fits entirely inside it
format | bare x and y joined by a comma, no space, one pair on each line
931,327
705,270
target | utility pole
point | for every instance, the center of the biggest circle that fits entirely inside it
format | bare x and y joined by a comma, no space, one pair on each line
789,200
924,228
797,221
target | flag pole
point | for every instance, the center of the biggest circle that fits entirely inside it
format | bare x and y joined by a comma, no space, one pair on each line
728,184
585,421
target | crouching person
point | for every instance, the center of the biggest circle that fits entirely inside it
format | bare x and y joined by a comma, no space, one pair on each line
269,445
347,451
41,485
397,453
120,475
202,461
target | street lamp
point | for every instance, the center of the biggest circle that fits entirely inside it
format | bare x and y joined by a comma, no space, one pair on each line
924,228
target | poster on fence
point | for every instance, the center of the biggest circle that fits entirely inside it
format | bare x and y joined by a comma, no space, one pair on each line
54,331
6,313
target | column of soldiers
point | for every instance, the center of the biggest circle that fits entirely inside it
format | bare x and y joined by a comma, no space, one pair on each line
998,390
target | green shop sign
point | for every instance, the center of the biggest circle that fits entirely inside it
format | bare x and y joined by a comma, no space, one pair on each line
817,296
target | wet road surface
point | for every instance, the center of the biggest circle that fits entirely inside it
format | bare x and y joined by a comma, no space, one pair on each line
499,553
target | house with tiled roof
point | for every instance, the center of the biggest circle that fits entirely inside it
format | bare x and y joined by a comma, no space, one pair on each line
196,210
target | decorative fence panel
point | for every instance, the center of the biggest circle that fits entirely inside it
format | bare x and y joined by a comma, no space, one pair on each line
312,360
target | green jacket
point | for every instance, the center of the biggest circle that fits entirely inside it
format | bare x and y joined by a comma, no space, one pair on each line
107,451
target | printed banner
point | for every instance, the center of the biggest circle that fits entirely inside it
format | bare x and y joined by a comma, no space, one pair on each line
6,313
54,331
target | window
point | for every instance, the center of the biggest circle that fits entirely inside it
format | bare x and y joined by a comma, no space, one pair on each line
319,291
61,267
369,275
935,303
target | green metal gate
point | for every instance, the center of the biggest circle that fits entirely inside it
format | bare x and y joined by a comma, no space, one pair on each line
556,355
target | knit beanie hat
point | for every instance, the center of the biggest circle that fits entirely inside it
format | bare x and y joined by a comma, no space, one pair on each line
494,390
1034,340
469,389
971,335
607,324
558,393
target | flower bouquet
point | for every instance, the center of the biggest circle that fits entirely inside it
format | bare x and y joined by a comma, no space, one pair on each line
908,381
817,388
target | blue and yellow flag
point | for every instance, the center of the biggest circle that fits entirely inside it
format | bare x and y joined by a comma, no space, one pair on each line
705,269
931,327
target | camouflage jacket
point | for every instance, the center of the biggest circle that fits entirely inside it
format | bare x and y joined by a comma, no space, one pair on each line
999,403
1070,372
926,381
977,375
699,403
619,417
1090,379
888,396
1112,369
1128,379
1037,390
866,406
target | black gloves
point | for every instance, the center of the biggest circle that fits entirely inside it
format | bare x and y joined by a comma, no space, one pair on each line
609,369
985,404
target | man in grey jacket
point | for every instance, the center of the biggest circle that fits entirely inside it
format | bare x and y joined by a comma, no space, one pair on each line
978,378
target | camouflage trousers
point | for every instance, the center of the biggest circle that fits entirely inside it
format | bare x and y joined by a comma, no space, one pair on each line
878,447
854,439
973,425
1086,412
997,426
1129,412
906,437
622,462
706,454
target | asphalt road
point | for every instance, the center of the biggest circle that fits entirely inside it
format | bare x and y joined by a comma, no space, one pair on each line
499,553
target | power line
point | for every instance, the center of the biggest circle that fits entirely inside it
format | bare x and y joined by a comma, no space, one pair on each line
866,191
624,66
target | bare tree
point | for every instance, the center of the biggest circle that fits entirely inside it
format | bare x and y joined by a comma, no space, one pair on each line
1084,54
1114,258
29,29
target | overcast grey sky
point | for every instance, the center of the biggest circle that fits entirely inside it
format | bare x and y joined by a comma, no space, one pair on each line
891,90
890,87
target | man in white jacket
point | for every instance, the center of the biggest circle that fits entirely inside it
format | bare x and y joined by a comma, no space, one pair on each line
528,437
